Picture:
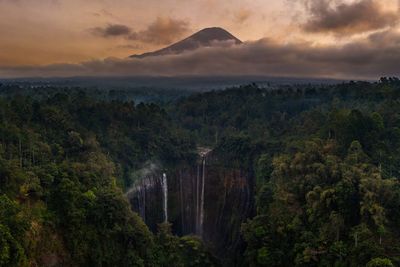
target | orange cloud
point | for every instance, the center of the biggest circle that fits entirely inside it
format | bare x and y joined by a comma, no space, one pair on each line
163,31
242,15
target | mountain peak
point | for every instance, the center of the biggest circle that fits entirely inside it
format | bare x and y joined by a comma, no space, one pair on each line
203,38
214,30
214,34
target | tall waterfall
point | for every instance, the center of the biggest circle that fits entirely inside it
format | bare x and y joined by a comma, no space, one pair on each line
147,197
207,198
164,185
201,223
142,201
181,205
197,226
200,191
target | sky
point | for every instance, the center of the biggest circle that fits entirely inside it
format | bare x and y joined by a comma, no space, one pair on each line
307,38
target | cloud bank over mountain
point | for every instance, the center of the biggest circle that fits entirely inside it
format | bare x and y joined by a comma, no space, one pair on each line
370,57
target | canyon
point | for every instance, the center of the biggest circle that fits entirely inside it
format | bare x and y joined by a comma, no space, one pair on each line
208,199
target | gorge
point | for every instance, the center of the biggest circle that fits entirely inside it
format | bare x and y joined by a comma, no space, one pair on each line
208,199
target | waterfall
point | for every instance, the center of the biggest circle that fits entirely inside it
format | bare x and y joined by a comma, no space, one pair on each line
142,202
164,185
181,204
197,226
202,197
139,192
200,192
205,198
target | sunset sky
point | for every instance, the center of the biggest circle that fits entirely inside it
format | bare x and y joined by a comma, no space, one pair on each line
65,37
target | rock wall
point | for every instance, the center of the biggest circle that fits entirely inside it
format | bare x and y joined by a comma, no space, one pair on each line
209,199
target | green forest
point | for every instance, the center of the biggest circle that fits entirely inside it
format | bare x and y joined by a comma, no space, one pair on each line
323,162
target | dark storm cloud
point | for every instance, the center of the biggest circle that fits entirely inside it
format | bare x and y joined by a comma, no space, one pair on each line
348,18
112,30
378,55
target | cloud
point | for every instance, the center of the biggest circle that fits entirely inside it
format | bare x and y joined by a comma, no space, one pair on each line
242,15
162,31
378,55
328,16
112,30
105,13
130,46
56,3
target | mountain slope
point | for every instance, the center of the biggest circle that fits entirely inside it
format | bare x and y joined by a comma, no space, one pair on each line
203,38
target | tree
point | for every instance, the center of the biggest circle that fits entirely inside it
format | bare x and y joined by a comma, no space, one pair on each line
380,262
11,251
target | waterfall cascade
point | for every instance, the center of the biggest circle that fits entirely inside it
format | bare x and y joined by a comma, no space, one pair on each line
141,195
197,202
200,190
164,185
210,199
149,197
203,176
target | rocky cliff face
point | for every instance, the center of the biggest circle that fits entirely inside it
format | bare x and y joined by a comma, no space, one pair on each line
209,199
147,199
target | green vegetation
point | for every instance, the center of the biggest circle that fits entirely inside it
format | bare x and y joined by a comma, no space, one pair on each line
325,163
326,168
63,164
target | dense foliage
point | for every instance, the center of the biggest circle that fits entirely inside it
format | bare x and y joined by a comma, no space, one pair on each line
63,163
326,165
325,161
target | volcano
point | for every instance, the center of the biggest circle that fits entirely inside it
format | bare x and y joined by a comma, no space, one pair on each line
204,38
